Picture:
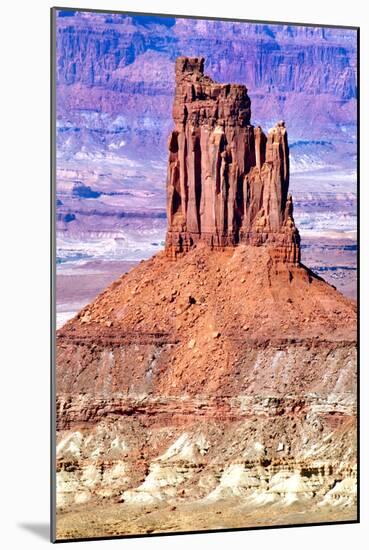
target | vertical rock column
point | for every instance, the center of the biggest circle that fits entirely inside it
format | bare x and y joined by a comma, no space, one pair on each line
227,182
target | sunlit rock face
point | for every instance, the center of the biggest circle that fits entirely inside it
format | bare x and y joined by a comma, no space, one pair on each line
115,89
216,390
227,182
214,384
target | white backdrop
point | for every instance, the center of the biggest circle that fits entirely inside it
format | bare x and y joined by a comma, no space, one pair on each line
24,315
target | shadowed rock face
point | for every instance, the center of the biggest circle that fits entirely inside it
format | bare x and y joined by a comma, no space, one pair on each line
227,182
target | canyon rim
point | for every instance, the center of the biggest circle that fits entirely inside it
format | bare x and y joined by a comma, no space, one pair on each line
211,385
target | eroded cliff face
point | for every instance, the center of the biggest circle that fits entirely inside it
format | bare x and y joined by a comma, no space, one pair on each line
115,92
227,182
297,73
224,380
213,385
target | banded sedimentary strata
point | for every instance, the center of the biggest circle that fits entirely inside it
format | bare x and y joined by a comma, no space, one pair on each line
213,385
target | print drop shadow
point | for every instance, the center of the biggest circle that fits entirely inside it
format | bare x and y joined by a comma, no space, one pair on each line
42,530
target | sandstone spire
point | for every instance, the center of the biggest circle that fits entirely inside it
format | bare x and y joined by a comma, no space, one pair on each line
227,182
177,362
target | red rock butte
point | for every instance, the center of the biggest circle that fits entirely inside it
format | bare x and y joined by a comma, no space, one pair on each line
219,389
227,181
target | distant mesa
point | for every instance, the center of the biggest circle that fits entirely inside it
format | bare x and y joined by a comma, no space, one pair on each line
85,192
227,181
69,217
